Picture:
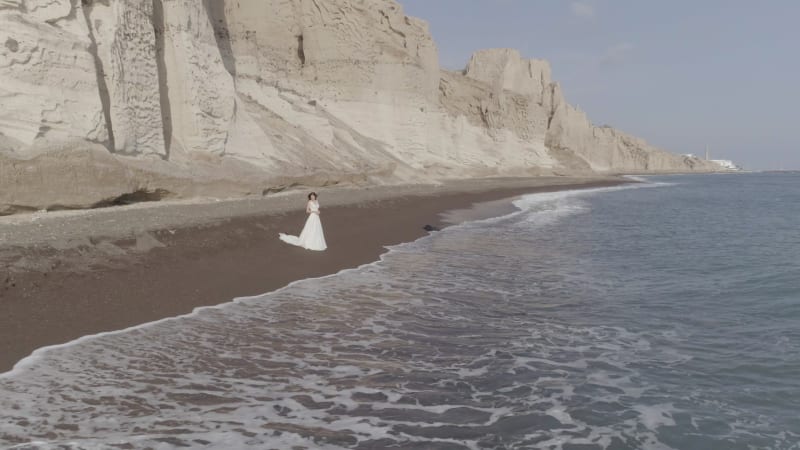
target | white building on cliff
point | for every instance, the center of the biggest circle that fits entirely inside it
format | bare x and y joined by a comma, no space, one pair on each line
726,163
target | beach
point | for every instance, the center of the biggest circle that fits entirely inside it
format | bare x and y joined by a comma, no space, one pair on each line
564,319
75,273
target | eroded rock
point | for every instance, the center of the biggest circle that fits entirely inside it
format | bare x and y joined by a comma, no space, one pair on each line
103,99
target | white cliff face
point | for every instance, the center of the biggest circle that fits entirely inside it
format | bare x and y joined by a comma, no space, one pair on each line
224,97
200,90
350,79
564,130
48,78
506,70
122,36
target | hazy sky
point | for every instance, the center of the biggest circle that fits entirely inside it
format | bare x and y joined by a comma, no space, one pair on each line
679,73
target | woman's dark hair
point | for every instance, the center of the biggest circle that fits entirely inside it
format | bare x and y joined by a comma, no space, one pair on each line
314,194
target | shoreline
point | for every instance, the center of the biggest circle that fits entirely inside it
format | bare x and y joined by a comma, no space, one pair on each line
83,273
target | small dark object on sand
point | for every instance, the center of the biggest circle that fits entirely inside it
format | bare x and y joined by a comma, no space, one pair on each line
430,228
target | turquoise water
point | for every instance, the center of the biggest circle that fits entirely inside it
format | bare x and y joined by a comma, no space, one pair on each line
663,315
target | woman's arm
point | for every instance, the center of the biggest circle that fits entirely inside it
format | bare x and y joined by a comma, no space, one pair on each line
308,207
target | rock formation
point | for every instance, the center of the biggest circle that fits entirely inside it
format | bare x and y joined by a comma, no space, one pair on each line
107,100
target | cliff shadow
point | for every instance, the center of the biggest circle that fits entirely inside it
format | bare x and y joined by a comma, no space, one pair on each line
215,9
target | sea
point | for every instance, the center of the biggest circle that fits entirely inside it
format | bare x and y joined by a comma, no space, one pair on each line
663,314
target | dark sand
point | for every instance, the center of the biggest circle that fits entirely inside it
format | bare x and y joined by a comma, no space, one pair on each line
58,289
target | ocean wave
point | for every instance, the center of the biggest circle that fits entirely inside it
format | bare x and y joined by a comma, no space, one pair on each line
497,333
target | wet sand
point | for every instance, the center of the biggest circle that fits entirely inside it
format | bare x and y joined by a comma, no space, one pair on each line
71,274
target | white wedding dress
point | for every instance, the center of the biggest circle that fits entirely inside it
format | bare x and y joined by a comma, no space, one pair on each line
312,237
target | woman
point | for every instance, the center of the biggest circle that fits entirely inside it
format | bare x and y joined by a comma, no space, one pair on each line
311,238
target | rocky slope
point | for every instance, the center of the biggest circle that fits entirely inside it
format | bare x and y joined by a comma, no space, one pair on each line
105,101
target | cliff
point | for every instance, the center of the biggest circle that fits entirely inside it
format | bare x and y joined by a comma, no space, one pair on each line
105,101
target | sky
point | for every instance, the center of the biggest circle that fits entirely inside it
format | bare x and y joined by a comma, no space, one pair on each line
682,74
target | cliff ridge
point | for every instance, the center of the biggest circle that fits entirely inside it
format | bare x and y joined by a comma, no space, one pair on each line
107,100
